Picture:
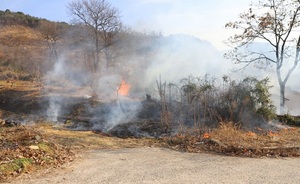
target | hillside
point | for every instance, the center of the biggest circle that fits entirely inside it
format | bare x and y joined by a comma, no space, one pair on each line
22,51
25,50
18,18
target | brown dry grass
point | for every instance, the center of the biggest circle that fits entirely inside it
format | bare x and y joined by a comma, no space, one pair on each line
25,149
82,140
230,139
231,135
56,147
19,35
19,85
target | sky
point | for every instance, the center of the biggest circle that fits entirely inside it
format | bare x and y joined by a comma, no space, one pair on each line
201,18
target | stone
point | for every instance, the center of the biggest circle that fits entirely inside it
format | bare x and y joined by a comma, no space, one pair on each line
34,147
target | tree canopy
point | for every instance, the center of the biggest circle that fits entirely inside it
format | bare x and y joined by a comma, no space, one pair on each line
274,22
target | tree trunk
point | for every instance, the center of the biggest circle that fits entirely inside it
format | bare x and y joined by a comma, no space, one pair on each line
282,97
97,50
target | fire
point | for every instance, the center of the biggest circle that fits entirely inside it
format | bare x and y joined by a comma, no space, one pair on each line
206,136
272,134
251,134
124,88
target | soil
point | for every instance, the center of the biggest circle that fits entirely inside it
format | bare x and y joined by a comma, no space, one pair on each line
156,165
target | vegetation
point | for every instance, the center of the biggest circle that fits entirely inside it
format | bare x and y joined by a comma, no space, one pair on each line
290,120
206,101
229,139
31,47
24,149
18,18
102,20
273,22
196,114
29,52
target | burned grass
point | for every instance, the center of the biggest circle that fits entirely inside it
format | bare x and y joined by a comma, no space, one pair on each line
83,140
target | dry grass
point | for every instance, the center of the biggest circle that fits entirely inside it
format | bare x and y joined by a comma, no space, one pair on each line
18,85
231,135
25,149
229,139
82,140
56,146
19,35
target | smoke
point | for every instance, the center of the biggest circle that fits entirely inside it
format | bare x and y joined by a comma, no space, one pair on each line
54,109
109,115
173,58
179,56
61,82
140,62
66,86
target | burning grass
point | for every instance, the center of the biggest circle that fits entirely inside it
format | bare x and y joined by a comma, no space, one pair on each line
229,139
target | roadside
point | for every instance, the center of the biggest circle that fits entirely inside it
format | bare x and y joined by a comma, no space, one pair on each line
158,165
27,149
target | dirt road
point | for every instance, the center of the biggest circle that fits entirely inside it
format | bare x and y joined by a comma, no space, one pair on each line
155,165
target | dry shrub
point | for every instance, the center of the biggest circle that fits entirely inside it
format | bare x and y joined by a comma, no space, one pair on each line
231,134
231,139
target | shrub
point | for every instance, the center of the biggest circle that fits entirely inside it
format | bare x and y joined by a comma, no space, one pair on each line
206,101
290,120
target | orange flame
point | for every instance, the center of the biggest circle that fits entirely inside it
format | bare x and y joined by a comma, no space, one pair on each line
272,134
251,134
206,136
124,88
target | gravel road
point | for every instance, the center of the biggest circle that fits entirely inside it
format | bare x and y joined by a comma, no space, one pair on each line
156,165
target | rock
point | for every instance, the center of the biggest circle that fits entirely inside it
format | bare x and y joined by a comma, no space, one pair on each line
37,137
11,123
34,147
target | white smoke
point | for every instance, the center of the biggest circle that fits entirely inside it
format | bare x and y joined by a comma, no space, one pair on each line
173,58
112,114
54,109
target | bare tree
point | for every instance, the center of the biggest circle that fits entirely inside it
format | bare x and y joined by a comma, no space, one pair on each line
102,19
51,32
274,22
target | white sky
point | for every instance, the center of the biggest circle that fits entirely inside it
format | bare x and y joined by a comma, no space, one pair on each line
201,18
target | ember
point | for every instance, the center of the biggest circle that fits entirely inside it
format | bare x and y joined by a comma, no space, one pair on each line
272,134
123,88
206,136
251,134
